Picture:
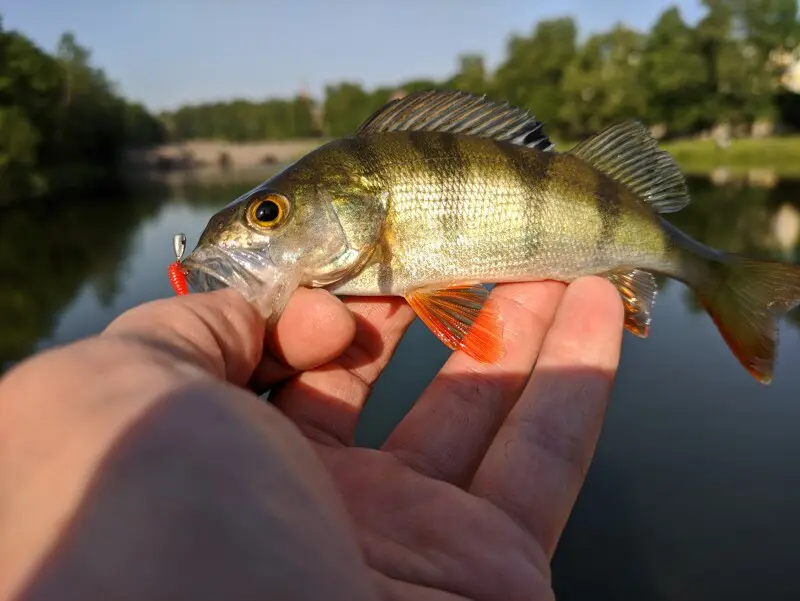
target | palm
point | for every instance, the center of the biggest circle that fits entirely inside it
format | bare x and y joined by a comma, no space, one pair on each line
468,496
427,539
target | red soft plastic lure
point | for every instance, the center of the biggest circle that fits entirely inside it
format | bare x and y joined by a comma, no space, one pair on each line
177,278
177,274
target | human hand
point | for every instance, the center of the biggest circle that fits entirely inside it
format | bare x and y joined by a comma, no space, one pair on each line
469,495
466,499
134,465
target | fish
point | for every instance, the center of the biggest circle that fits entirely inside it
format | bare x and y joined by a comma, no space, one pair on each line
442,193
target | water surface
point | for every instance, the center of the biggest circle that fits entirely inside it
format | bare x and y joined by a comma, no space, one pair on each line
695,489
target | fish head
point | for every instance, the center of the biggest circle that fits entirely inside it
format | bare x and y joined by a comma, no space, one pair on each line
311,225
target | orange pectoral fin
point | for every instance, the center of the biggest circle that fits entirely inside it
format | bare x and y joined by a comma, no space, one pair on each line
462,317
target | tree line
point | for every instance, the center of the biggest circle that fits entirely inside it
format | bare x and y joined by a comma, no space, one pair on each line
62,121
725,69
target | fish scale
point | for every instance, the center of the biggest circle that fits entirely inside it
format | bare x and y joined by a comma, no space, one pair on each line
480,223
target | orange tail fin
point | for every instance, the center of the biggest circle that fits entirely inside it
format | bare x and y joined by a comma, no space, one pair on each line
745,301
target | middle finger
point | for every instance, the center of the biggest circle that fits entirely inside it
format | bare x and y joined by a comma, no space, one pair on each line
325,402
451,426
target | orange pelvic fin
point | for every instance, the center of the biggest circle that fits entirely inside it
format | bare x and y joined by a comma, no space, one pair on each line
462,317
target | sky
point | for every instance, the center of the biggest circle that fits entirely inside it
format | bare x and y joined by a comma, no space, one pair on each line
165,53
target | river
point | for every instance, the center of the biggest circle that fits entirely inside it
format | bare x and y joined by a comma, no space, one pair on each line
695,489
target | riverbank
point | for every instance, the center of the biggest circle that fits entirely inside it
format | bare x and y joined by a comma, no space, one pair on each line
762,160
779,154
219,154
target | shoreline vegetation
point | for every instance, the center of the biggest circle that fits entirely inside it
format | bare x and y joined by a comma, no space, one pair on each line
720,94
762,158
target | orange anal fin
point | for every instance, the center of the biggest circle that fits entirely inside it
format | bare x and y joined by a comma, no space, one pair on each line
462,317
638,290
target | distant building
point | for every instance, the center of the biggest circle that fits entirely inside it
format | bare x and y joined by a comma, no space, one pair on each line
791,78
789,61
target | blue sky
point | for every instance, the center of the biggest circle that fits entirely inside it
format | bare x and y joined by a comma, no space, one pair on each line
169,52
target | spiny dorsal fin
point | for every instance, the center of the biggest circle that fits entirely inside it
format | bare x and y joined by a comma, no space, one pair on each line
629,154
458,112
638,290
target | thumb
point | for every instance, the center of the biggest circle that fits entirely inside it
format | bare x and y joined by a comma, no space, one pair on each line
225,335
220,332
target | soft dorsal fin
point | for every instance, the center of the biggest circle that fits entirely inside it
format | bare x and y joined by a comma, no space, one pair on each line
629,154
459,112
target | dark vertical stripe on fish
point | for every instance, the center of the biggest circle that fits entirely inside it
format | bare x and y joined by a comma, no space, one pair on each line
446,166
378,162
361,152
360,155
385,272
606,194
532,170
454,175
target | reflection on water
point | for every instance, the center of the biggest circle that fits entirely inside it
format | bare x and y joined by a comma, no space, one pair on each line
51,253
694,491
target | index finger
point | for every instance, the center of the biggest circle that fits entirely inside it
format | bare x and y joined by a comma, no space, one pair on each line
536,464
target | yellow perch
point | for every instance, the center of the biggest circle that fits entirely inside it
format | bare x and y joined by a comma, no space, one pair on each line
441,192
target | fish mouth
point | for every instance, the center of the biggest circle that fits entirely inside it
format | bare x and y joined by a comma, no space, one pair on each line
214,268
250,272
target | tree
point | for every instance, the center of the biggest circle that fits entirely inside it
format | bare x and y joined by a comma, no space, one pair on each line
60,117
737,38
347,105
673,73
764,26
418,85
471,75
532,76
29,88
685,78
603,82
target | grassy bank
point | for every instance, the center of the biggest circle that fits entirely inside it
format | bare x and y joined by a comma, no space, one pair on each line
701,156
779,154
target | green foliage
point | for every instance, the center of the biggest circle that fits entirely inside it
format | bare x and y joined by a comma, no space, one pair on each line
51,249
702,156
348,104
471,76
60,114
418,85
242,120
685,79
62,121
534,72
674,75
602,83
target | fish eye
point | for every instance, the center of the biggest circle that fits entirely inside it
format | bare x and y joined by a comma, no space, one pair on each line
267,211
